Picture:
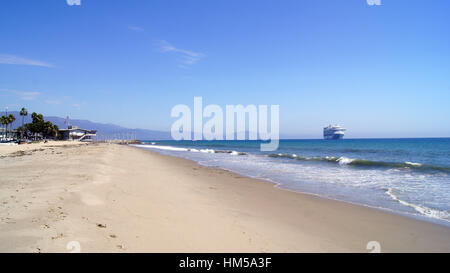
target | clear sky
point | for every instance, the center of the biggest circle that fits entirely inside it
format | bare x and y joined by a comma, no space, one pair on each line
380,71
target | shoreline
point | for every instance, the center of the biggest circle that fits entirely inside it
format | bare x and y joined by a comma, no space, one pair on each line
278,186
417,217
119,198
281,186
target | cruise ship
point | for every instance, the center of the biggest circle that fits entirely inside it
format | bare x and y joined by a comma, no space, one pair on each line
333,132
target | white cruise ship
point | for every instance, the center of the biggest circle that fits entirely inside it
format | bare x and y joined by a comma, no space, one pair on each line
333,132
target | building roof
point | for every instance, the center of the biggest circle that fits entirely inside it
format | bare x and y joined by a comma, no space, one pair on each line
78,129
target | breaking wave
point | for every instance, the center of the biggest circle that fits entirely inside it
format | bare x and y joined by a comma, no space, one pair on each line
182,149
345,161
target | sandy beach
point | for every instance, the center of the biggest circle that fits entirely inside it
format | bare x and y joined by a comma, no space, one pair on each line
118,198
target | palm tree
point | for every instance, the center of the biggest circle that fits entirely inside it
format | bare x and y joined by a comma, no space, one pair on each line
11,118
23,113
55,130
3,122
7,121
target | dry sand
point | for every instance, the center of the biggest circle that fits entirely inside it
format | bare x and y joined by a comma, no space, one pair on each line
117,198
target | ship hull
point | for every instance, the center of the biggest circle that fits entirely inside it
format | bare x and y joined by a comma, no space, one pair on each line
334,137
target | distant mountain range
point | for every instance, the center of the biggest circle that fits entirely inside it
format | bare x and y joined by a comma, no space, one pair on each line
104,130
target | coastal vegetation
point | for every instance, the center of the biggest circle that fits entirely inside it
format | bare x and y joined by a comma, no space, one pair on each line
6,120
38,128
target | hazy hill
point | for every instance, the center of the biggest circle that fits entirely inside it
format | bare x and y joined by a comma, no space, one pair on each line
104,130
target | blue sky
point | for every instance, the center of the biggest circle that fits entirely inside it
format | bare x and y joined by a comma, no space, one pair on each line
380,71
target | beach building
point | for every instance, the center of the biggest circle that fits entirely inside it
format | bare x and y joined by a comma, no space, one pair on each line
76,133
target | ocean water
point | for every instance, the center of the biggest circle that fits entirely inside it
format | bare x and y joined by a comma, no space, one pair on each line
407,176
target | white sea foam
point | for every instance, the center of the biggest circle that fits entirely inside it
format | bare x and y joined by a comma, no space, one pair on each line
433,213
181,149
344,160
168,148
413,164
